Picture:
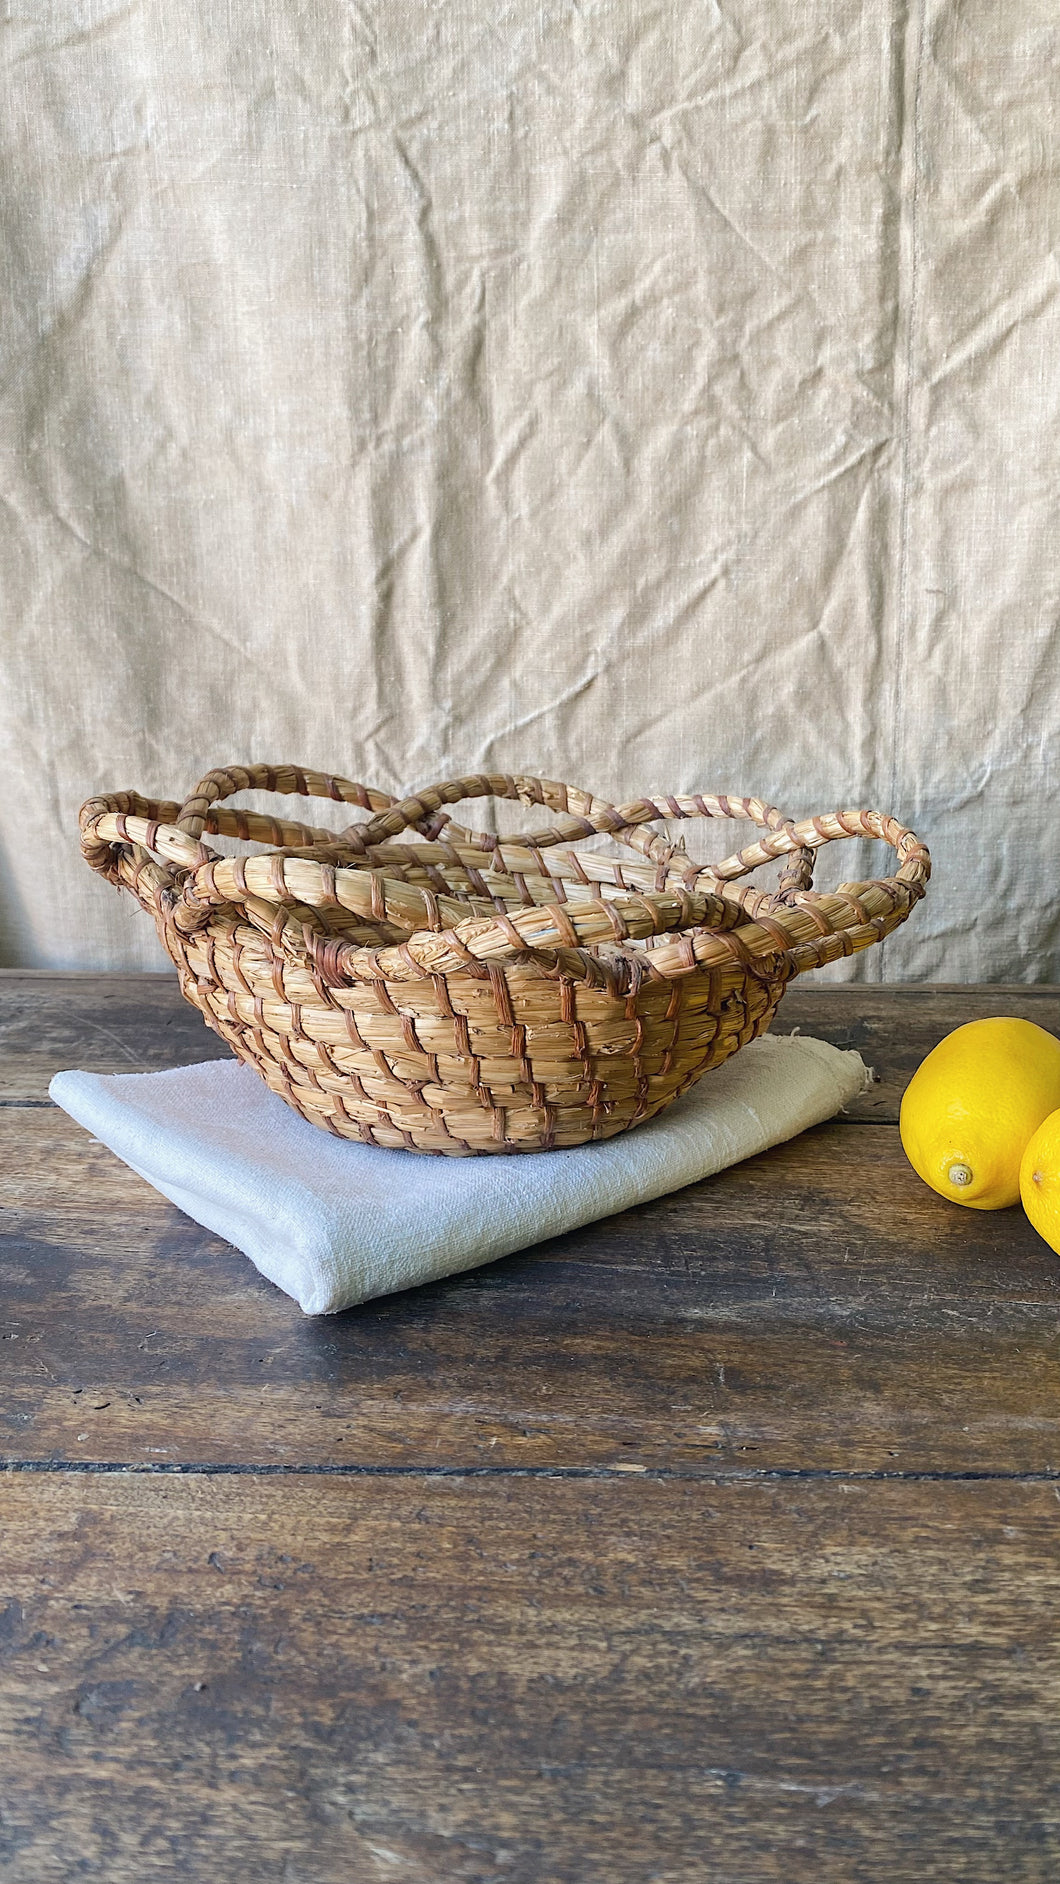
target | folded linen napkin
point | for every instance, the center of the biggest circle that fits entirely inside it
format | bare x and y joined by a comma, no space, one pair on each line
334,1222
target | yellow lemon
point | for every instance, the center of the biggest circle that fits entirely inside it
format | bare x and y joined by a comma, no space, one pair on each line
1040,1180
972,1106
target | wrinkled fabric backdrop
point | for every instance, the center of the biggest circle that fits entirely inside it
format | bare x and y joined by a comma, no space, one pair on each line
651,396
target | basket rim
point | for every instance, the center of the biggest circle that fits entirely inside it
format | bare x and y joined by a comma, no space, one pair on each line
593,929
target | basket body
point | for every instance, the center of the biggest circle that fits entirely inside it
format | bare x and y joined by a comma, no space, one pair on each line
454,1064
457,993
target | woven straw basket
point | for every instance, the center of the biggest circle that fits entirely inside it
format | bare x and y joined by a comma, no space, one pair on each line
458,992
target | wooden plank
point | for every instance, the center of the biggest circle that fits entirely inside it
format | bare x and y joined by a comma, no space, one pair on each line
814,1307
138,1023
100,1023
486,1679
894,1026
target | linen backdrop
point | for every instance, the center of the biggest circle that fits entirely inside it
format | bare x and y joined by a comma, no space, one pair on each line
656,396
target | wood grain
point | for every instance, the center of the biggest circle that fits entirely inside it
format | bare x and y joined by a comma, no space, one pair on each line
815,1307
99,1023
718,1540
474,1680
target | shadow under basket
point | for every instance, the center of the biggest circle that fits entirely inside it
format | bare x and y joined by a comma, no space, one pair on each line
459,992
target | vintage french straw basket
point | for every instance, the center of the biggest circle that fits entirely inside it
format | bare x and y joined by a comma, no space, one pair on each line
458,992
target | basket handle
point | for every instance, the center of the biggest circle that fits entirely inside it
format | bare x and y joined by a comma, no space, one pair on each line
291,780
582,814
782,939
793,930
115,826
810,928
641,814
578,814
270,881
800,923
804,930
679,900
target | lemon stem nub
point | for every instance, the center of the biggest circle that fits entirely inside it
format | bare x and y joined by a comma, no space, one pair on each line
960,1174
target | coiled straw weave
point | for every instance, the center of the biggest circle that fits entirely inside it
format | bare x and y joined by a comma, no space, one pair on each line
458,992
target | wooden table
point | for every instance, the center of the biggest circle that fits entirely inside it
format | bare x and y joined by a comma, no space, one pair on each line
718,1541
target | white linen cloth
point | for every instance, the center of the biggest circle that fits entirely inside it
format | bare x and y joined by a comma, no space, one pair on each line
333,1222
